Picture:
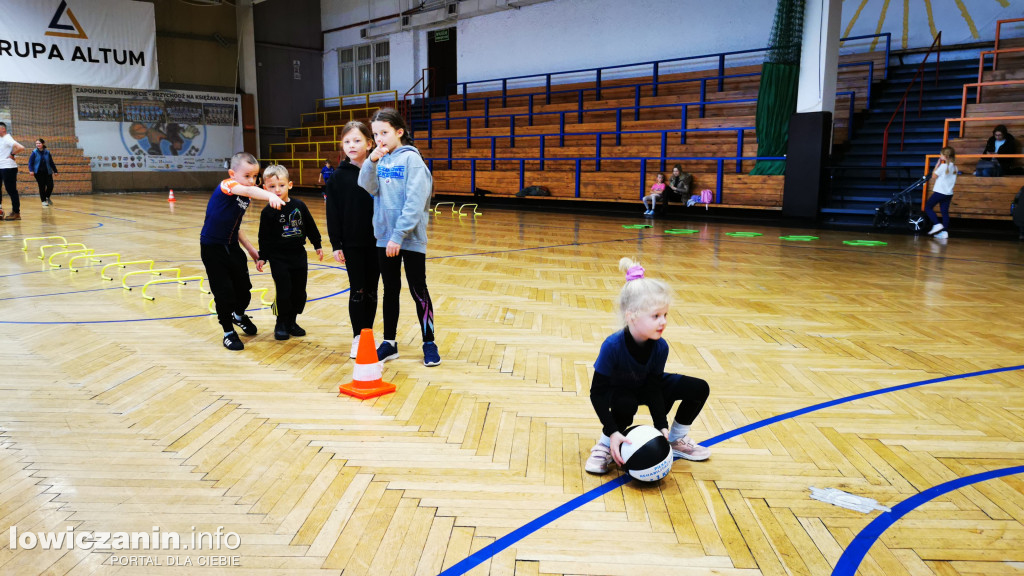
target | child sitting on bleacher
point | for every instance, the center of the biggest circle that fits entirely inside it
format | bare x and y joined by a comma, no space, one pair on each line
657,189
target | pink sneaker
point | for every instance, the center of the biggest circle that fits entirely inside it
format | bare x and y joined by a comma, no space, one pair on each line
600,459
687,449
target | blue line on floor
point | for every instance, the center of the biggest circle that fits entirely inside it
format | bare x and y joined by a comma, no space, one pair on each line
95,214
147,319
862,542
62,293
518,534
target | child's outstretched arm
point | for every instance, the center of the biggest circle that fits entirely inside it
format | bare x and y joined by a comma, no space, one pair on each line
257,193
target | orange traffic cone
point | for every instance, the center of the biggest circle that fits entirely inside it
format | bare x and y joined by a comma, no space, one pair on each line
366,375
170,197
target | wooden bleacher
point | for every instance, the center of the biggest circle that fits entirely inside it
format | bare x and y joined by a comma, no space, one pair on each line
989,198
318,139
74,172
713,128
618,179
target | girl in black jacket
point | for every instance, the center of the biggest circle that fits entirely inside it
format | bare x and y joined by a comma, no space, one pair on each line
350,227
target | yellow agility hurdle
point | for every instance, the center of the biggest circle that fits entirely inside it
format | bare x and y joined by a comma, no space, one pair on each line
42,249
475,212
439,204
24,245
94,257
88,252
155,272
261,291
181,280
103,271
201,289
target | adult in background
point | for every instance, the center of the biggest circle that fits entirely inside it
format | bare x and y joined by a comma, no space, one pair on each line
40,165
1002,142
9,172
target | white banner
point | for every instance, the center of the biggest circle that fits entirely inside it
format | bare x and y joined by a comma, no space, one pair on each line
84,42
139,130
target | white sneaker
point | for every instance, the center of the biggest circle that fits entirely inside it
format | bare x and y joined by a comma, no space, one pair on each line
600,459
942,235
935,229
355,348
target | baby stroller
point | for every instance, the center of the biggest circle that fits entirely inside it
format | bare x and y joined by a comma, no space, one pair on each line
902,210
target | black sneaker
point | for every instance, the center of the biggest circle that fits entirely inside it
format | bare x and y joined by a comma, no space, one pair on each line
245,323
233,342
297,330
280,333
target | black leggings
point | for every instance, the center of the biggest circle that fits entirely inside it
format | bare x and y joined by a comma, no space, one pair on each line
9,179
228,270
416,276
45,181
363,276
289,271
674,387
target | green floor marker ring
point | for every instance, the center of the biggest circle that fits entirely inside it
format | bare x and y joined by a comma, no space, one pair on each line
798,238
744,234
680,231
864,243
636,226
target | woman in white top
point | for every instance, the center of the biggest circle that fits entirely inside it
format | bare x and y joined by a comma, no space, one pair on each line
943,177
9,172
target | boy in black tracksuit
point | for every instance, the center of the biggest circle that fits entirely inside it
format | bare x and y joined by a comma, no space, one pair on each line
282,237
221,242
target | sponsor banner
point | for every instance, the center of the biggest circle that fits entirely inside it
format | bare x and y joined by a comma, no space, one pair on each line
84,42
139,130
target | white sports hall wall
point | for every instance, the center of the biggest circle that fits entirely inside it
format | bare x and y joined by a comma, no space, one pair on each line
497,39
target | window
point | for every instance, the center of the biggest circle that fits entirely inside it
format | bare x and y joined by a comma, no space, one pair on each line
364,68
346,70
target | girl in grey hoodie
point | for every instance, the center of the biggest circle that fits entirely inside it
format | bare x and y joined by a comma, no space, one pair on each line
400,184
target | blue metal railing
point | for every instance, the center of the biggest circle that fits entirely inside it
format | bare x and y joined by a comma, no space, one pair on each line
580,91
580,111
598,145
655,67
578,161
684,106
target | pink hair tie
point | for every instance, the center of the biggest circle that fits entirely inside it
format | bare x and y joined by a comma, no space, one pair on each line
634,273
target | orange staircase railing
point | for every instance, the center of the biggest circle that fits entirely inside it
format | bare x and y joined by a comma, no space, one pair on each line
1000,119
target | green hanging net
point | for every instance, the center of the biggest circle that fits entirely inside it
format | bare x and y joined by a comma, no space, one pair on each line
780,77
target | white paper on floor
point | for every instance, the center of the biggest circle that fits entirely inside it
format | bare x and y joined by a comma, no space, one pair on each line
846,500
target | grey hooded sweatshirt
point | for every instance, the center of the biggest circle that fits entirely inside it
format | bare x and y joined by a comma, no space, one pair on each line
400,185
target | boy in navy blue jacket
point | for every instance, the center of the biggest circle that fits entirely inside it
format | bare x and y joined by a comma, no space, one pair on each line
283,233
226,265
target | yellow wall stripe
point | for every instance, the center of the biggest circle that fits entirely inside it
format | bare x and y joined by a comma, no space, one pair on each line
881,22
931,19
854,19
967,18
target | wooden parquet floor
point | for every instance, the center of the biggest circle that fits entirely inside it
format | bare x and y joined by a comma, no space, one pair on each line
119,414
